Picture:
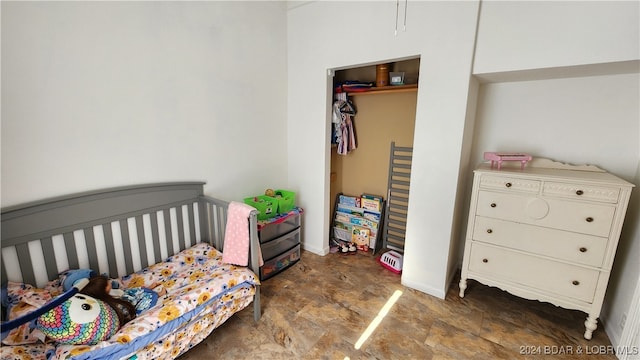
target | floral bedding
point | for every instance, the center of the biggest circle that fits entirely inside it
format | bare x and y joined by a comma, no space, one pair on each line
198,293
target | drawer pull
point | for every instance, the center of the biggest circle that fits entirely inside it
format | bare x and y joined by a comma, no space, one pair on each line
579,192
575,282
589,219
489,231
507,184
583,249
493,204
485,260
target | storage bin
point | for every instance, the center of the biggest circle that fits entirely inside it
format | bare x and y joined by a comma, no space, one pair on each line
281,245
279,263
266,205
286,200
271,231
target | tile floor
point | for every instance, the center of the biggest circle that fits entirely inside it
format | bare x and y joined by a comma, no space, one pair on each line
320,307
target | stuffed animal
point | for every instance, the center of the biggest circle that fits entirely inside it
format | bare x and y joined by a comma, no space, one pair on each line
70,277
80,320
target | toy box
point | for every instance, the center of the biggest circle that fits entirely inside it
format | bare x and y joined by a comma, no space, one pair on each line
266,205
273,266
286,200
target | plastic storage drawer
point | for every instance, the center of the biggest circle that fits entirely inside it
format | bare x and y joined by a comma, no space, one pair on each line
274,230
273,266
280,245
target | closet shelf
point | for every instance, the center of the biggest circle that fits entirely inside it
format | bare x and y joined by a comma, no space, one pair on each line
386,89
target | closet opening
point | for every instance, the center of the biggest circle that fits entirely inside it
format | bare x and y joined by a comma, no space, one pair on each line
372,133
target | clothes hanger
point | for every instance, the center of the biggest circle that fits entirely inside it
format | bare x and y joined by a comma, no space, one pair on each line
347,108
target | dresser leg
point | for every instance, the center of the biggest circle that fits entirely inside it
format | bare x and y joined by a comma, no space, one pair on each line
463,287
591,324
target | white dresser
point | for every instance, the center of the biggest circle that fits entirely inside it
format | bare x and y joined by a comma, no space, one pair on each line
548,232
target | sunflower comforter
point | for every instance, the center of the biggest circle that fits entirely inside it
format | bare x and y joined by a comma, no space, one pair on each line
198,293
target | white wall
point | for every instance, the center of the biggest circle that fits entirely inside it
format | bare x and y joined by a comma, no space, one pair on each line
518,35
325,35
587,120
100,94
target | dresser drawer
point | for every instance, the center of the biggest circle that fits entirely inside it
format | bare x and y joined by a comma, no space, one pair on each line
510,184
559,244
277,246
585,218
581,192
530,271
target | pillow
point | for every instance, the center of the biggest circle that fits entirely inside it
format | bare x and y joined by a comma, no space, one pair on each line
21,300
80,320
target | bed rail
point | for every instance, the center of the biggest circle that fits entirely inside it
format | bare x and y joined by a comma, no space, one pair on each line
116,231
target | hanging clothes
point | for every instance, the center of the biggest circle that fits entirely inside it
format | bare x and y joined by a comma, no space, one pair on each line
342,123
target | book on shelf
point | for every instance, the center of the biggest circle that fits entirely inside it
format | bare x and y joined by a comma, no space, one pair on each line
371,202
360,236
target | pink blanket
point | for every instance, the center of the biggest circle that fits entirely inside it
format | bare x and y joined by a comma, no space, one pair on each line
236,236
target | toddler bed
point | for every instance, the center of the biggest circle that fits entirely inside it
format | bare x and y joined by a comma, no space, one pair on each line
167,236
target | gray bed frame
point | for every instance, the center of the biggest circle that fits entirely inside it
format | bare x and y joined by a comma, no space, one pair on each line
116,231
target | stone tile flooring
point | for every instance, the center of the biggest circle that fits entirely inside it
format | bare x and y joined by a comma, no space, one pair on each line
320,307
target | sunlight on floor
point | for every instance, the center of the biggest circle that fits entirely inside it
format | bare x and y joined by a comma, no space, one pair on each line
378,319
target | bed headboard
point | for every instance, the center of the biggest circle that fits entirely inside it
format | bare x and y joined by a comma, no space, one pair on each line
115,231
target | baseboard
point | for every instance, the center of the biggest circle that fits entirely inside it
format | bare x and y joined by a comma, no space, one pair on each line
439,293
318,251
